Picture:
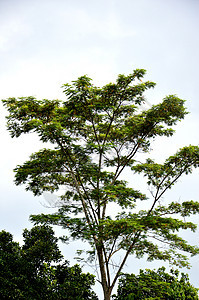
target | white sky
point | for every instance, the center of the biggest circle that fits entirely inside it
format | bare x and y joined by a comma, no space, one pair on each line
46,43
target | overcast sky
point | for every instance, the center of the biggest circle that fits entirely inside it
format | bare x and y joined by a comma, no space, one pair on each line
45,43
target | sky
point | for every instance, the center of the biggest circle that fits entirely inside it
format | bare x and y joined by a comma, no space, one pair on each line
46,43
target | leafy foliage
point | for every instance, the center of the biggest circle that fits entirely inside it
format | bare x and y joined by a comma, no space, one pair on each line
97,134
27,272
71,283
151,284
9,267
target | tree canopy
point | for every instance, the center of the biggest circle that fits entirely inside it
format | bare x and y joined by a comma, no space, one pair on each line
158,285
28,272
95,135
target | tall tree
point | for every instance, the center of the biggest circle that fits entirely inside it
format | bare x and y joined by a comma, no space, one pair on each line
97,134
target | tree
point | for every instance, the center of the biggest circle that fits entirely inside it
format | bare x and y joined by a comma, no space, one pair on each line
27,272
151,284
9,266
96,134
39,251
71,283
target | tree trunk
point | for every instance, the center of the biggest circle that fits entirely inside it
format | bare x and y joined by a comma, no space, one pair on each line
107,294
106,288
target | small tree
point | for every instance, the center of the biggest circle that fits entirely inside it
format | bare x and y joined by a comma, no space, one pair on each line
151,284
97,134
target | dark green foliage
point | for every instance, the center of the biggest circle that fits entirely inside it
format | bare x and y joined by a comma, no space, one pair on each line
27,272
40,246
71,283
9,267
98,133
159,285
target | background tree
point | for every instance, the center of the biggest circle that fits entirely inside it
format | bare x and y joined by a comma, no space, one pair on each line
28,272
70,283
151,284
9,267
96,134
39,251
